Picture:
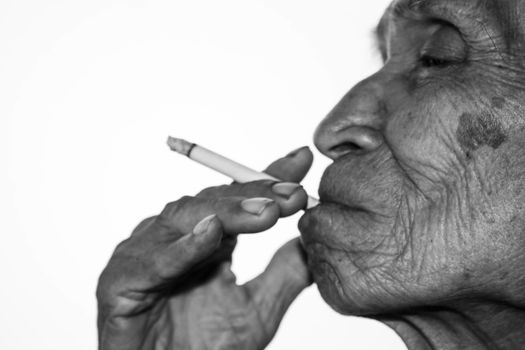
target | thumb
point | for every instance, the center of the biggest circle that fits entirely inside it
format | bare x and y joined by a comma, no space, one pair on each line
293,167
276,288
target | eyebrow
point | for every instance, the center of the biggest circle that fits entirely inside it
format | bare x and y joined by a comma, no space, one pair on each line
420,10
406,8
456,9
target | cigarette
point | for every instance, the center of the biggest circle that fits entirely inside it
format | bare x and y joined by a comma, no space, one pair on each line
223,165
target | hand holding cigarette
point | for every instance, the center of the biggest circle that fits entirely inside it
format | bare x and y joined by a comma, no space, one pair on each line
170,284
223,165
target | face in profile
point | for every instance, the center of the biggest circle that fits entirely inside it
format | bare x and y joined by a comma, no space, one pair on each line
423,203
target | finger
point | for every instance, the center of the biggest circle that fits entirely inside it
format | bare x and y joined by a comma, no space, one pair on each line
289,196
236,214
292,167
142,227
284,278
181,255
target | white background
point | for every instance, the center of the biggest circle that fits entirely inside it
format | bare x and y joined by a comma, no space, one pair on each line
89,91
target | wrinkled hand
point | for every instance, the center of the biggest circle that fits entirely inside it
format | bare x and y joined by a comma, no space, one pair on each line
170,286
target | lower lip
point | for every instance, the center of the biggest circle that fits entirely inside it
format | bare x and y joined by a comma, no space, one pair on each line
317,235
334,204
324,210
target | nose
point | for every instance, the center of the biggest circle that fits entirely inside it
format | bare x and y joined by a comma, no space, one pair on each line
354,125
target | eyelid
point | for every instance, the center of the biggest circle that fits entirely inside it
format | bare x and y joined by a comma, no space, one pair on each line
442,54
431,62
445,43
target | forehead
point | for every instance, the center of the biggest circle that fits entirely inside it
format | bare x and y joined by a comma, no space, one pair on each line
504,17
421,9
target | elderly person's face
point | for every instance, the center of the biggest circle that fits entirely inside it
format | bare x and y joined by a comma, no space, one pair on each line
424,202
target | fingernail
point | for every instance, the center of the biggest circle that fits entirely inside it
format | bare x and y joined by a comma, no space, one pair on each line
285,189
255,205
295,152
203,225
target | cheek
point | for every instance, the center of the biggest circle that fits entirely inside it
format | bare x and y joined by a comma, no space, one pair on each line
419,128
422,137
476,130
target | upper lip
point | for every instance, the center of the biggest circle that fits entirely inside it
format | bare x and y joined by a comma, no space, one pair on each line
349,194
328,193
331,198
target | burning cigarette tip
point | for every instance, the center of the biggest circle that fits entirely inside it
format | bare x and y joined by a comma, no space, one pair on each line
179,145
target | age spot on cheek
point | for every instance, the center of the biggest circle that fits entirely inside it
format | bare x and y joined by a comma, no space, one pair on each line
497,102
475,131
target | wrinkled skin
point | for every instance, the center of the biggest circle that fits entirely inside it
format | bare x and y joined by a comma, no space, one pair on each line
421,224
170,286
421,218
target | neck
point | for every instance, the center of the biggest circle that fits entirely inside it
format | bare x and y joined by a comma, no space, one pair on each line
475,326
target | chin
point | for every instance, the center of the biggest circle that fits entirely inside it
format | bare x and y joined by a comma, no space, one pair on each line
330,255
329,284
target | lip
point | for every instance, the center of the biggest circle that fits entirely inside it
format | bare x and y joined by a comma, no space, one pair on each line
342,182
315,225
327,192
332,201
329,195
359,185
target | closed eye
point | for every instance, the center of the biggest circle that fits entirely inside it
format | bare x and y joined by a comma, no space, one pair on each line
428,61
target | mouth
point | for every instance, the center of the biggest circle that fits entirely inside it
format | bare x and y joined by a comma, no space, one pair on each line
347,182
351,200
329,190
332,193
368,186
333,200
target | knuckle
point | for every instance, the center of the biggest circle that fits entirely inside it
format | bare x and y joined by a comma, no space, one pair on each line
145,222
107,288
143,225
122,247
212,191
172,208
102,288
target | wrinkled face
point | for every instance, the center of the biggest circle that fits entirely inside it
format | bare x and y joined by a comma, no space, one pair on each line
423,204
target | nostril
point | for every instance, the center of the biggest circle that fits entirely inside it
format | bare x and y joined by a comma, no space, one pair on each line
335,141
345,147
356,140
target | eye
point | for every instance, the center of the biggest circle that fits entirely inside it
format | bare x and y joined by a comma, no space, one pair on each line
428,61
443,48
